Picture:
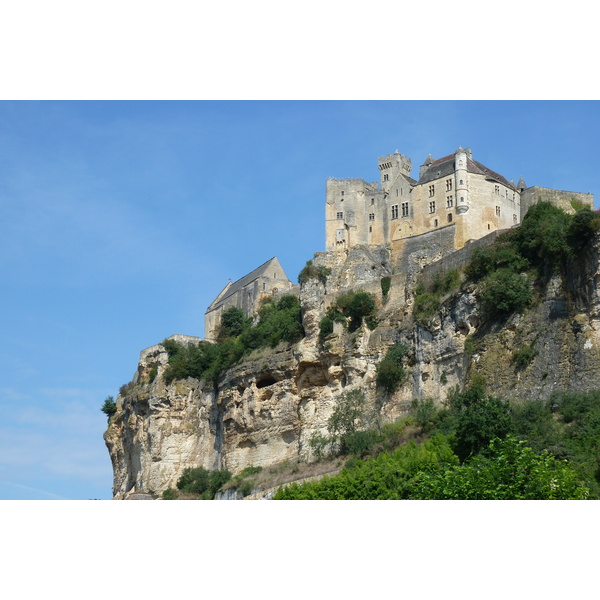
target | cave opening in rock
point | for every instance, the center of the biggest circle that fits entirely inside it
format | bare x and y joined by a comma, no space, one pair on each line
265,381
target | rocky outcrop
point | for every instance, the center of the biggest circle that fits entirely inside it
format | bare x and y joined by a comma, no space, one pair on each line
267,408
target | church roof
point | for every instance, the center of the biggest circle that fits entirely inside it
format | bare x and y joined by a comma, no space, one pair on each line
443,167
232,288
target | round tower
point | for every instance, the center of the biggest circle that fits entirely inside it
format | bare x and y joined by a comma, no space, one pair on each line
462,188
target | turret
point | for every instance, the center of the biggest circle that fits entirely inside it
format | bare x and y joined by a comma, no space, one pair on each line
521,185
425,166
460,173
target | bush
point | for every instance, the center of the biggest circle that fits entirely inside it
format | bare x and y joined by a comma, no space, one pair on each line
390,371
170,494
347,416
325,327
310,271
357,306
202,482
542,236
524,355
109,408
478,419
386,283
504,292
424,413
584,225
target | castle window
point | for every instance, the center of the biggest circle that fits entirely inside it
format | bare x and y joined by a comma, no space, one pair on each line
449,202
372,217
489,226
405,209
395,211
370,230
372,201
461,182
432,206
515,219
449,217
497,211
342,192
386,177
340,215
448,185
497,189
435,223
431,190
462,198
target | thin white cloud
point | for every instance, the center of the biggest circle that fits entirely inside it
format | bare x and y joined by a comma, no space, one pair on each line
33,489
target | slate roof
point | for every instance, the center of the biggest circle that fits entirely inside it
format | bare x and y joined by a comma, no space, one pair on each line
444,167
232,288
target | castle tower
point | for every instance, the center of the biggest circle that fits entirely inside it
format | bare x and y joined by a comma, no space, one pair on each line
462,195
391,167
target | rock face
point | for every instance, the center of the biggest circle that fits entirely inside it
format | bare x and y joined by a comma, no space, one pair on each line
267,408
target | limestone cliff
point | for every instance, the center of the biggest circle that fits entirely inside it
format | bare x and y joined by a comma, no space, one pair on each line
267,408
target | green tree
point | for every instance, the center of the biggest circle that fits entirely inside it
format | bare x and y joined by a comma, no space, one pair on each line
390,371
478,418
233,322
346,417
509,470
109,408
504,292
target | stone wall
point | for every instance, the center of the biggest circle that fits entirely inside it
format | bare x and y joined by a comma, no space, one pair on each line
560,198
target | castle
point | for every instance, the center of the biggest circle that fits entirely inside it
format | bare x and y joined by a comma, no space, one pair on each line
455,193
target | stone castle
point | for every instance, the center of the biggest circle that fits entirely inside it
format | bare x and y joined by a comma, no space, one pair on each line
456,195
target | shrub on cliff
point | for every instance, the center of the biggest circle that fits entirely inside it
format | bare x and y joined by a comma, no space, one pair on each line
355,306
277,322
390,371
109,408
311,271
504,292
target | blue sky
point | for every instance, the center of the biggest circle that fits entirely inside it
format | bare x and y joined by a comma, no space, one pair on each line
121,221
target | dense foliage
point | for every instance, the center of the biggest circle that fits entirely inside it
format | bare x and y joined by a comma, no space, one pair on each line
508,470
480,448
388,476
277,322
391,373
352,309
542,245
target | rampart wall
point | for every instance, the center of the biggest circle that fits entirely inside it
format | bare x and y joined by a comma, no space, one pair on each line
560,198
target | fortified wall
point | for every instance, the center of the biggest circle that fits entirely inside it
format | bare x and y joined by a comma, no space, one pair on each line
560,198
